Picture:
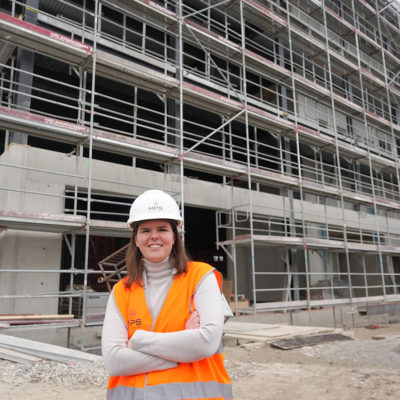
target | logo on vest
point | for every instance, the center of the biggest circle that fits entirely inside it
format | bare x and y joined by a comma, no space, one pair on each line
133,320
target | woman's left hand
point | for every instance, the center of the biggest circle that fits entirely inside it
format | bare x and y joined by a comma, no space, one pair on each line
193,322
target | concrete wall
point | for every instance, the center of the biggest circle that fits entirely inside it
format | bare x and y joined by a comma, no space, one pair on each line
25,250
34,250
29,251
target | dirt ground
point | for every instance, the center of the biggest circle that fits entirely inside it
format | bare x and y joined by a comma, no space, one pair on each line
359,369
367,367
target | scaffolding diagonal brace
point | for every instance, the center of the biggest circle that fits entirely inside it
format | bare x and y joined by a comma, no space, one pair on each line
214,131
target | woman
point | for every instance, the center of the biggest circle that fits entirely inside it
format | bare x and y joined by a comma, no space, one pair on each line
163,325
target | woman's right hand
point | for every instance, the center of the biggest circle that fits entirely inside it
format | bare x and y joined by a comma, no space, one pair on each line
193,322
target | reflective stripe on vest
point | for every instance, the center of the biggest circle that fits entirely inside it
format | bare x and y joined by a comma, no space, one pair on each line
174,391
204,379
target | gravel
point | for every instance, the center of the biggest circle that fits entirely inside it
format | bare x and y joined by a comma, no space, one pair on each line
80,375
77,375
383,354
361,353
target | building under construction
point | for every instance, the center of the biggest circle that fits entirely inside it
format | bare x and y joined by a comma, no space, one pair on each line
274,124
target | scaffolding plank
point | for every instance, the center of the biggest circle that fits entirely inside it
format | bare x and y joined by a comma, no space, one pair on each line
42,126
44,41
149,11
47,127
310,243
105,42
22,220
294,304
129,72
108,228
338,18
265,12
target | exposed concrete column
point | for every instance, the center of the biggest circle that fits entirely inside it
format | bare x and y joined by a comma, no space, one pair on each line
25,62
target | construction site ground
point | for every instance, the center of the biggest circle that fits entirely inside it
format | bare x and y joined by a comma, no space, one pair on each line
367,367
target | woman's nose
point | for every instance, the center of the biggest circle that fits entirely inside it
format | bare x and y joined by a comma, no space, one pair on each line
154,235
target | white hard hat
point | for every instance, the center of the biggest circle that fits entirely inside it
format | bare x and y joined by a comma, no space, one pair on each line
154,204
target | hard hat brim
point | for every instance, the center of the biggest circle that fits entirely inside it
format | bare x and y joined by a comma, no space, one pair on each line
161,216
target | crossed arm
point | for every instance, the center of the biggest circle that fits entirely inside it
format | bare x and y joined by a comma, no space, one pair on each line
152,351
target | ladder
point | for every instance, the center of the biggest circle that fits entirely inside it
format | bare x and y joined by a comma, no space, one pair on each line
112,267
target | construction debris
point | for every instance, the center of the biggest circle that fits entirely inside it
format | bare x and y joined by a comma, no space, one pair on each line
301,341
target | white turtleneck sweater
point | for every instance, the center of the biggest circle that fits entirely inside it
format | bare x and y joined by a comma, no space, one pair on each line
152,351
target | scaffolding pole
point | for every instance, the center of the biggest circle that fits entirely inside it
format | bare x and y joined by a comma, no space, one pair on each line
249,180
378,233
90,172
339,173
299,167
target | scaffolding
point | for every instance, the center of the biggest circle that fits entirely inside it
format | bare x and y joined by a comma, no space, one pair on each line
291,108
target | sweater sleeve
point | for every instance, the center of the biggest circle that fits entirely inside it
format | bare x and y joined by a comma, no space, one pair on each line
118,358
194,344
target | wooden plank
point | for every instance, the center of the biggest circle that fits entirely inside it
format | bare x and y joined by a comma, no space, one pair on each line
300,341
20,317
36,322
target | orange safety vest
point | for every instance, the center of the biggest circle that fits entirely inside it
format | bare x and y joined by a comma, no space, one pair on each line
204,379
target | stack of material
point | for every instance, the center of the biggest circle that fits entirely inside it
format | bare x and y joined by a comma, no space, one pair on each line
273,334
29,351
227,289
8,320
242,302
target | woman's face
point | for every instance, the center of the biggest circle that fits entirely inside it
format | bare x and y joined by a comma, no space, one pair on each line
155,239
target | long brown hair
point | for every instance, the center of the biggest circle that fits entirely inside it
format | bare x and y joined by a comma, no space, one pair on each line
134,258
